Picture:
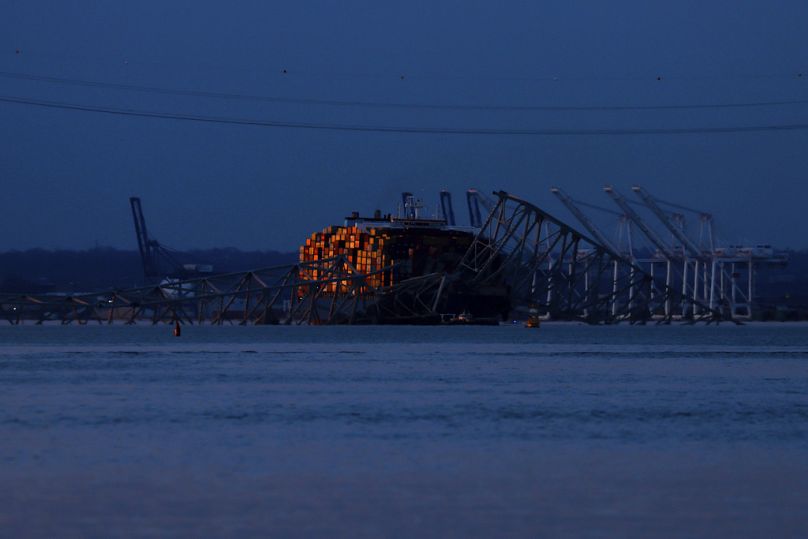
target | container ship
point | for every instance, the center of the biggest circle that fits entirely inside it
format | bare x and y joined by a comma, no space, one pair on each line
392,250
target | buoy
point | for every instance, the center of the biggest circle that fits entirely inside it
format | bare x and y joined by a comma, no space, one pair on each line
177,329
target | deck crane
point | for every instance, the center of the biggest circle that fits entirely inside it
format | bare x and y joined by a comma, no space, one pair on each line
446,207
475,199
475,218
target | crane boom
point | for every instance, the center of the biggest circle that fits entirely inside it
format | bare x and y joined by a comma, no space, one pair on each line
151,251
446,207
473,201
651,204
623,204
144,245
584,220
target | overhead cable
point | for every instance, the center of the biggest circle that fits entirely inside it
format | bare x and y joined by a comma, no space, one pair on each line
390,104
404,129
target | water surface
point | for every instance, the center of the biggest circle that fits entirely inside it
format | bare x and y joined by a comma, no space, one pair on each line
403,431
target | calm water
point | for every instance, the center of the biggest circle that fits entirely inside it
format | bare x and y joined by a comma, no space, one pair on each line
402,432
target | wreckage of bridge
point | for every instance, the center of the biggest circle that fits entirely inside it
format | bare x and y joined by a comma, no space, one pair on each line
543,266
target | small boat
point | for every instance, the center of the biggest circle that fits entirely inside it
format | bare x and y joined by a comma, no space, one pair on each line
533,320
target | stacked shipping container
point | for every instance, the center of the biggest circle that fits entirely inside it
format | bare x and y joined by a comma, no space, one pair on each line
386,255
363,250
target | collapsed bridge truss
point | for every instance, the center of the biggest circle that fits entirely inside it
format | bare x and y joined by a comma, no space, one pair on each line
548,267
561,273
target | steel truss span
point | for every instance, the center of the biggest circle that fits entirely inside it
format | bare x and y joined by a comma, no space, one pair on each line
548,269
561,274
281,294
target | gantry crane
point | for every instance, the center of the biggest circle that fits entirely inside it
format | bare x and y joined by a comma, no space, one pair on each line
652,236
149,248
700,260
663,248
666,220
714,262
599,236
157,260
584,220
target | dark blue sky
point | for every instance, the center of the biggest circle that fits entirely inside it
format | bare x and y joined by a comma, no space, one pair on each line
66,175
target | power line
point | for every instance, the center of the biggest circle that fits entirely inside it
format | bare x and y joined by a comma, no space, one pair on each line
400,129
388,104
